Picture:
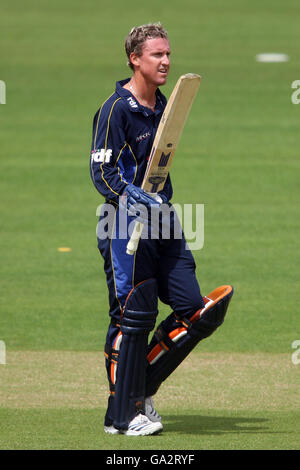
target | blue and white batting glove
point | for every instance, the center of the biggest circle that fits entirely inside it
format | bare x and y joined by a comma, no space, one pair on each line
137,202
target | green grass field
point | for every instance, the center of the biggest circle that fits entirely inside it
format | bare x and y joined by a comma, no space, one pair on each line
239,156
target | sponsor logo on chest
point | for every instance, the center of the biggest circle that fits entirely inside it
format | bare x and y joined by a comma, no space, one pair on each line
143,137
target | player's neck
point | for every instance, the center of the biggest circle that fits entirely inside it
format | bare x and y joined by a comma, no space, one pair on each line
144,92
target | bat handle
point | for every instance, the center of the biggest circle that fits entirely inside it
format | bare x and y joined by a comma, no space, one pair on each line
135,238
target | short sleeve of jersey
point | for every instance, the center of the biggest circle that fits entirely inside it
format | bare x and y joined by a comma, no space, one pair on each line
108,142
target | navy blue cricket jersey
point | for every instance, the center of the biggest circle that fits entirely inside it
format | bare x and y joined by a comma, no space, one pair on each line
123,134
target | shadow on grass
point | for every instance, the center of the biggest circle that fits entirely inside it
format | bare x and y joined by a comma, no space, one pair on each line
216,425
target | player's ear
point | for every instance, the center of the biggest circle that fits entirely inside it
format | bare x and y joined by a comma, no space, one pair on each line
134,59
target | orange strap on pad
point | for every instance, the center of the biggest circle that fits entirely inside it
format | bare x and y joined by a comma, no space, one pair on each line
172,346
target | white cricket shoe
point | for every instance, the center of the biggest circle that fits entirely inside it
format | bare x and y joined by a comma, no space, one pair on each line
111,430
150,411
142,426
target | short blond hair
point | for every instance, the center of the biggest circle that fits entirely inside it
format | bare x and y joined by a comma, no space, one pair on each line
139,34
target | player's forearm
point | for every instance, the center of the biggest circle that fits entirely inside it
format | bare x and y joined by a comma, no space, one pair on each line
108,181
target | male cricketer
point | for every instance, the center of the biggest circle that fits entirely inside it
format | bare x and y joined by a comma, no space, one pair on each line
162,267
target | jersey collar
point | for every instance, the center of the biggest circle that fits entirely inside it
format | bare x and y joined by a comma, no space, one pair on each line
134,105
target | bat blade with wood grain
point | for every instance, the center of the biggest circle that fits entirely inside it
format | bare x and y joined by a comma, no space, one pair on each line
165,142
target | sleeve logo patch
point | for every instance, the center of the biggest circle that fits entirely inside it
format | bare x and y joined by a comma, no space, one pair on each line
101,155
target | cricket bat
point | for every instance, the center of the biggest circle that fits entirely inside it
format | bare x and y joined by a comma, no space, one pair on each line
165,143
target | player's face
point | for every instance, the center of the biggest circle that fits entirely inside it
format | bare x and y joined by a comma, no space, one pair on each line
154,63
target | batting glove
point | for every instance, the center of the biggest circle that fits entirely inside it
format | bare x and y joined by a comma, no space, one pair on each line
137,202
